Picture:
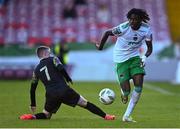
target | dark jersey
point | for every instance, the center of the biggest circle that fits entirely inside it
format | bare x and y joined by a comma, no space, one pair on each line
53,75
47,71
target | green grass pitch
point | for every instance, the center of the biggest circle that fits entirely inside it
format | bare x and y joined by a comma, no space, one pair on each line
159,107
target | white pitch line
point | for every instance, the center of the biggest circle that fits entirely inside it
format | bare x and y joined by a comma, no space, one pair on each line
158,89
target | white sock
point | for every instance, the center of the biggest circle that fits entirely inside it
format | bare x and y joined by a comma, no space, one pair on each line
132,103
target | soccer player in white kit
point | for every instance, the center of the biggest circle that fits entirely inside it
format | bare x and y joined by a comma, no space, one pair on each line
126,55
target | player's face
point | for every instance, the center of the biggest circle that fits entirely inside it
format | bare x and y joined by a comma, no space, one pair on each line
135,22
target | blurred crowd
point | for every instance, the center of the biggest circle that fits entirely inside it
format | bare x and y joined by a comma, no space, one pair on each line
31,22
49,22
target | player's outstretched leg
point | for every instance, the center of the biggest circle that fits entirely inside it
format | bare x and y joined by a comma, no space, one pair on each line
27,117
94,109
36,116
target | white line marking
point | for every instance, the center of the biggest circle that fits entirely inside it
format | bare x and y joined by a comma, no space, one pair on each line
158,89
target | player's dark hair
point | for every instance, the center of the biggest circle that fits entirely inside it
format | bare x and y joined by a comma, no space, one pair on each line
40,49
140,12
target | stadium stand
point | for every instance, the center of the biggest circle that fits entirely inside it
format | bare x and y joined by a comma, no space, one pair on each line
33,21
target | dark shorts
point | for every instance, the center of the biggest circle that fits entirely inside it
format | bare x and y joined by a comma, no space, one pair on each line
53,102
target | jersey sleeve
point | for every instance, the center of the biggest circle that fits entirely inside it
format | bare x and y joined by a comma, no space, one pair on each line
148,35
61,69
119,30
34,78
34,83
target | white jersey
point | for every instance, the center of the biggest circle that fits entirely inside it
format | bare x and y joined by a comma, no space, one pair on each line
129,41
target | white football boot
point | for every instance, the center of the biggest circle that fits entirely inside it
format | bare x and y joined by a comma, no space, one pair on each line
128,119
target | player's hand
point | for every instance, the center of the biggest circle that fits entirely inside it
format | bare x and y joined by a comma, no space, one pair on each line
33,108
143,61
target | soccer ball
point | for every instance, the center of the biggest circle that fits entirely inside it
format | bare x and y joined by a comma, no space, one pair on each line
106,96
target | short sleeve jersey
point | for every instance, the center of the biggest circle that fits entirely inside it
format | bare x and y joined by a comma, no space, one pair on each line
129,41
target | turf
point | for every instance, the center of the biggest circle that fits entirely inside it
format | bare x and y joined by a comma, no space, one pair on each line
155,109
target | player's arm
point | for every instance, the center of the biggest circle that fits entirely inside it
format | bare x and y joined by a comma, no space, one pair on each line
149,50
148,40
34,83
116,31
62,70
104,38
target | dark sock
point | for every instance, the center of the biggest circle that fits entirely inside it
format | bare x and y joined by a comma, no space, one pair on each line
94,109
40,116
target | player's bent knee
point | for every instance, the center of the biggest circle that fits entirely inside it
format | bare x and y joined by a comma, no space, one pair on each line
82,102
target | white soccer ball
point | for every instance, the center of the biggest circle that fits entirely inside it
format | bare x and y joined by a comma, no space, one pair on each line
106,96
